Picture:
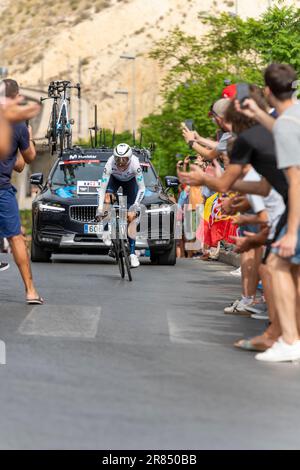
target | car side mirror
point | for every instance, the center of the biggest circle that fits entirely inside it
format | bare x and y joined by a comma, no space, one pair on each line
37,179
172,181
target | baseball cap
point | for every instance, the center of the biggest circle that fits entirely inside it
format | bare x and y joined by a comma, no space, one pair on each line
229,92
220,107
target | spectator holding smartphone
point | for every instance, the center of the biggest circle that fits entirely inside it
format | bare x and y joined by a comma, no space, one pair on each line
207,148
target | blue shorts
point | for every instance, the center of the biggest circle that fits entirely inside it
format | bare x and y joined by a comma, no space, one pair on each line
130,189
248,228
296,258
10,223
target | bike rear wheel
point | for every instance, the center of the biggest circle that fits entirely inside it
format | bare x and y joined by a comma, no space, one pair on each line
64,132
51,132
62,137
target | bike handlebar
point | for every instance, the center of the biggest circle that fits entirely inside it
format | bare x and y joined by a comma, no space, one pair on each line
55,89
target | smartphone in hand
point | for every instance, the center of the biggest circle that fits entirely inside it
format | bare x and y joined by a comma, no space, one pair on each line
243,93
189,123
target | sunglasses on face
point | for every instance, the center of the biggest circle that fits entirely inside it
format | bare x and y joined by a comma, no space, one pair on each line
122,161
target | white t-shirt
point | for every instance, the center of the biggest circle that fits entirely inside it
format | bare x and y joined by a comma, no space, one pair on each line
256,202
286,132
222,144
273,203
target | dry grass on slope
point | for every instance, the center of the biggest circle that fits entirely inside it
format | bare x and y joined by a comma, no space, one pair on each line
27,26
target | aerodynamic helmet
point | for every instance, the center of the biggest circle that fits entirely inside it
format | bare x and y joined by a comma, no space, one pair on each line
122,151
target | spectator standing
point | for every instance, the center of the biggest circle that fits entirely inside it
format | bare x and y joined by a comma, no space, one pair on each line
10,226
254,145
280,80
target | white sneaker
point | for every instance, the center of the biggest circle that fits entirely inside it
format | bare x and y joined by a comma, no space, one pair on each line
239,307
4,266
134,261
236,272
258,308
231,308
260,316
280,352
106,238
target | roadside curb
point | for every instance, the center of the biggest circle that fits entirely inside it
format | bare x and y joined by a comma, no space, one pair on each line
228,257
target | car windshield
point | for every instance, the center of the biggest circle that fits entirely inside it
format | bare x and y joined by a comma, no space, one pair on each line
69,173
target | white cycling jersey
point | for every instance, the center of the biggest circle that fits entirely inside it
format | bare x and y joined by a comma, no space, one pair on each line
133,170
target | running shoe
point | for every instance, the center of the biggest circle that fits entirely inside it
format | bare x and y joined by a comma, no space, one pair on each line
280,352
237,272
239,308
4,266
134,261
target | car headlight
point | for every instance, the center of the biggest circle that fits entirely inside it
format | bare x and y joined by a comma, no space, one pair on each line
50,207
163,209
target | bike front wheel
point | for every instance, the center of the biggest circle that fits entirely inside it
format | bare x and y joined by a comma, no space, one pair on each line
119,258
124,252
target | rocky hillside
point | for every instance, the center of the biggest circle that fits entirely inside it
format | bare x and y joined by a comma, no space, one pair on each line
45,40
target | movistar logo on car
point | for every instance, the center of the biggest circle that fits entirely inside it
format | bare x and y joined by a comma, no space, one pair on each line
75,156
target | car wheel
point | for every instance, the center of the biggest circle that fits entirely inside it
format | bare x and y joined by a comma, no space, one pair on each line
153,257
167,258
38,254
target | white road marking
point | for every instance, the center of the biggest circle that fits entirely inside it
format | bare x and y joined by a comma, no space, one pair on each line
2,353
62,321
187,328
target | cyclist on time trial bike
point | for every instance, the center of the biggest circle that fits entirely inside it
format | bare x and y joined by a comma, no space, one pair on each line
123,169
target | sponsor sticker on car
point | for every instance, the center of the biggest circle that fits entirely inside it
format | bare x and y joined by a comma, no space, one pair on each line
88,187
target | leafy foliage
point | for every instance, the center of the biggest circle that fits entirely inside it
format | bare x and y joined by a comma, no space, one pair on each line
233,49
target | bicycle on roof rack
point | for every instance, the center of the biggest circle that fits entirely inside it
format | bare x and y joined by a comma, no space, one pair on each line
59,132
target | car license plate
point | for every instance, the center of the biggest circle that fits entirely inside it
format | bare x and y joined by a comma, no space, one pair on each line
91,228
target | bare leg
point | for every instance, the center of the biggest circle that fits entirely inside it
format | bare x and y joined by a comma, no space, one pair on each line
273,332
249,273
266,278
285,295
21,257
180,249
296,276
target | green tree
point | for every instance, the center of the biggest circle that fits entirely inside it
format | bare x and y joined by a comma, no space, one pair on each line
233,49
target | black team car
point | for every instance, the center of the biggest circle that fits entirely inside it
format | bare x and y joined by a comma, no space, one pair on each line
63,213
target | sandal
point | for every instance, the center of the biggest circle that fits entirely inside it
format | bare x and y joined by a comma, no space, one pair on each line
246,345
205,257
37,301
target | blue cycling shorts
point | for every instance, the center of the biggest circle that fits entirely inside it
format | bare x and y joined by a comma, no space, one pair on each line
130,189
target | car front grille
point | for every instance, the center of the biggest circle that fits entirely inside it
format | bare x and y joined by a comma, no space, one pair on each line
83,213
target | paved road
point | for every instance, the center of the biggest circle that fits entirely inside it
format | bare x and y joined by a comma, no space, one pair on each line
109,365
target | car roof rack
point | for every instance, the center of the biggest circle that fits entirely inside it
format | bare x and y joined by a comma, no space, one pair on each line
78,153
